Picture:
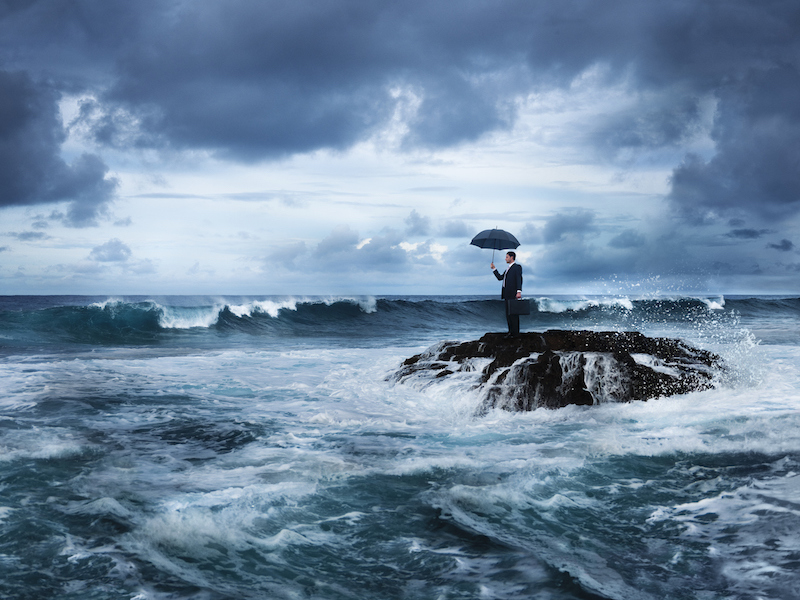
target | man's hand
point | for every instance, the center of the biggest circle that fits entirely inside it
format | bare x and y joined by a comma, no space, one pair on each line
519,295
492,266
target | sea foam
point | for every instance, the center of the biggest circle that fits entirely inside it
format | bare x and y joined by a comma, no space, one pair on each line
546,304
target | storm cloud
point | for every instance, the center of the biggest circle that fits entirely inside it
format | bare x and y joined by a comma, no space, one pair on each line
259,79
711,96
32,170
756,168
784,245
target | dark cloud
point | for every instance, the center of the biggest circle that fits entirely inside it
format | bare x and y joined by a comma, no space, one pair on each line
784,245
630,238
456,229
31,168
29,236
569,225
417,224
756,165
531,234
748,234
260,79
112,251
647,127
254,80
575,223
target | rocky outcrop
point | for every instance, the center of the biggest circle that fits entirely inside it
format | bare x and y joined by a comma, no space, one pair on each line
557,368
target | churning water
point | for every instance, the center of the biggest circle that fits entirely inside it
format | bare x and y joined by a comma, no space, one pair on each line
213,448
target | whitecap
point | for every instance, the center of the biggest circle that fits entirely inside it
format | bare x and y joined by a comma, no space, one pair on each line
179,317
108,302
717,303
550,305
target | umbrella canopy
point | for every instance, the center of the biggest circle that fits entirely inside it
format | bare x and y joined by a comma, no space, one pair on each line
496,239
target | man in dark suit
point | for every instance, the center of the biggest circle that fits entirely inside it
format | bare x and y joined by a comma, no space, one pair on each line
512,288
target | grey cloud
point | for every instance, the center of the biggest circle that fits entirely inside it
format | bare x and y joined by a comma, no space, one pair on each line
531,234
784,245
645,127
4,248
456,229
254,80
142,267
344,251
630,238
577,222
747,234
31,168
416,224
287,254
112,251
29,236
572,224
423,255
383,252
341,240
273,78
757,135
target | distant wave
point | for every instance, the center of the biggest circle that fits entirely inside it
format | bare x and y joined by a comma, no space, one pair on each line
119,320
190,317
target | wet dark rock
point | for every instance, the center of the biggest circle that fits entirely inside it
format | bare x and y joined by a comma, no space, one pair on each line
557,368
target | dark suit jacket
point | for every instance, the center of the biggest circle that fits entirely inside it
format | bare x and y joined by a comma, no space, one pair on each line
513,277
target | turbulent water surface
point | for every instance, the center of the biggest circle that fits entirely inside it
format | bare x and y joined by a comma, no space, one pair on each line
210,448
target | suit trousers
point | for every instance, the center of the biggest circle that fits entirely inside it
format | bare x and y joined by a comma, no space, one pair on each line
512,320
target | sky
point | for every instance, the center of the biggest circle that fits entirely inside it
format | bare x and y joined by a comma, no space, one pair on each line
335,147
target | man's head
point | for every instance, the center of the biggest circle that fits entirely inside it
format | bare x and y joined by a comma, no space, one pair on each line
511,257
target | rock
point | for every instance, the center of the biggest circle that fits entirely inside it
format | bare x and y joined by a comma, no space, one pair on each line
557,368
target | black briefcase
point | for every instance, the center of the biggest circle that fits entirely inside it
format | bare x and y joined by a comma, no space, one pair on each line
519,306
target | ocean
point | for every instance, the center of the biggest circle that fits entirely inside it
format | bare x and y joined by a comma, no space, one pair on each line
257,447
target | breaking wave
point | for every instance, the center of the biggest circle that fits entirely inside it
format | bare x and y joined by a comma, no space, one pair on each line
140,320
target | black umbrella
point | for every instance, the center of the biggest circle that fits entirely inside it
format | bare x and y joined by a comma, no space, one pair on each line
496,239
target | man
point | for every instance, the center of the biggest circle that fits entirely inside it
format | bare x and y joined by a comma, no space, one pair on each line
512,288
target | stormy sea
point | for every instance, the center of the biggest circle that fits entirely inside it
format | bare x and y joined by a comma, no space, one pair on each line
258,447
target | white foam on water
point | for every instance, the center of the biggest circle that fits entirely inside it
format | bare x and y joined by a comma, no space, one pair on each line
655,363
5,511
268,307
111,302
100,506
178,317
367,304
325,419
188,317
717,303
751,529
40,443
551,305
